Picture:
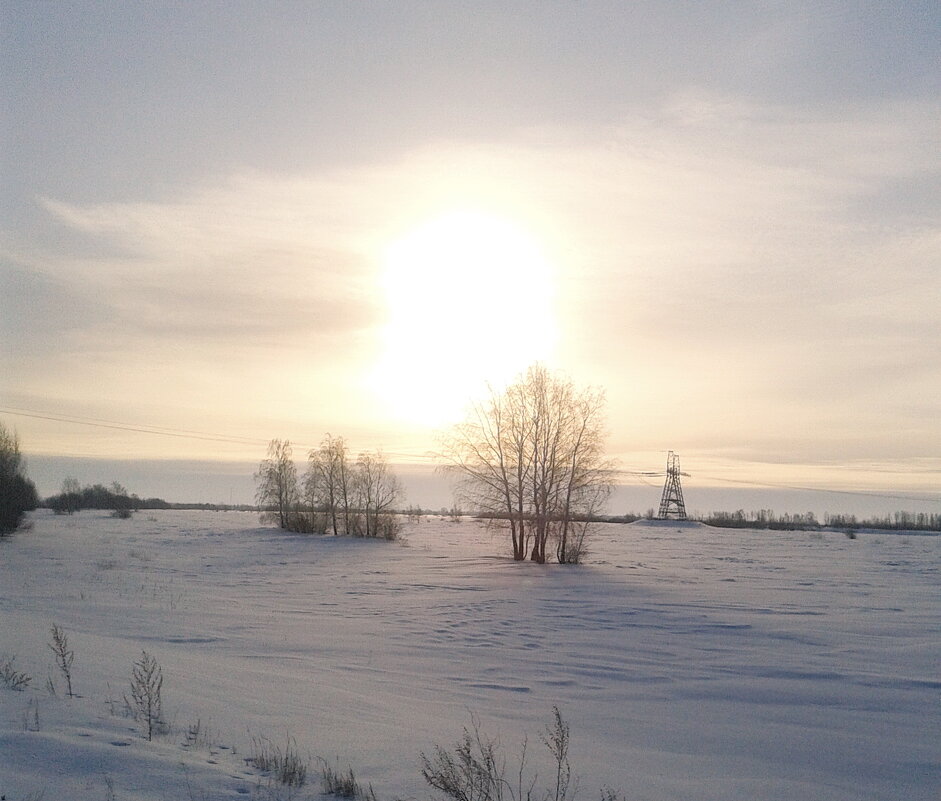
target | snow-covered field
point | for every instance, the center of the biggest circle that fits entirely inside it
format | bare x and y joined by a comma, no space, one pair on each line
691,663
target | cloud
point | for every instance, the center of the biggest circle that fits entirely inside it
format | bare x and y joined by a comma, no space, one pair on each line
730,270
248,261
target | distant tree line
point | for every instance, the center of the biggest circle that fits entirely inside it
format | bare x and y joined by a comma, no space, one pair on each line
899,521
73,498
337,495
763,518
766,519
17,493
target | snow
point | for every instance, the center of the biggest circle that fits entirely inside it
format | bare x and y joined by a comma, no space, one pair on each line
690,662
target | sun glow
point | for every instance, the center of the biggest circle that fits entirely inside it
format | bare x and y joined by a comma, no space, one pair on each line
470,300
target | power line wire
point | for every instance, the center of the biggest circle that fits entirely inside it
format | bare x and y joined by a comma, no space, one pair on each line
172,432
855,493
238,440
142,429
750,483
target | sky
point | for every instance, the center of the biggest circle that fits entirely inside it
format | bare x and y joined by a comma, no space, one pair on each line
226,222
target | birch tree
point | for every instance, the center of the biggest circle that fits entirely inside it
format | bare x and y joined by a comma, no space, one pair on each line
377,490
532,455
328,483
276,481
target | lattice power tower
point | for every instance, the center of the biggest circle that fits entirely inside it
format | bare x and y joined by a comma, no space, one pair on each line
672,506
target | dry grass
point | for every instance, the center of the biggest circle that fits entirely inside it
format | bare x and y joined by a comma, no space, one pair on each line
284,765
345,784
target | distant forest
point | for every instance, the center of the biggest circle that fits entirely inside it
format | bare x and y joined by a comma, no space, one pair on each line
74,498
115,498
766,519
761,519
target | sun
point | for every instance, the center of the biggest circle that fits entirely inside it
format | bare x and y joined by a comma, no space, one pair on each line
469,300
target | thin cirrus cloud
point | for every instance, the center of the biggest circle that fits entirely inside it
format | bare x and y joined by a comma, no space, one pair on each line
212,268
748,259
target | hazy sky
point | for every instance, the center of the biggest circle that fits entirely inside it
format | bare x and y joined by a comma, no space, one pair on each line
260,220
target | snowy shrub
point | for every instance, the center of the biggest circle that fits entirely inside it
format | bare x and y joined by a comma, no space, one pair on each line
146,703
572,547
287,767
344,785
11,677
64,656
306,522
388,526
476,770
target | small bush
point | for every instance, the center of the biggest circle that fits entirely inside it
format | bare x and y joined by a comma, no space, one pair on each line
302,522
344,785
11,677
146,703
388,527
64,656
476,769
572,545
286,766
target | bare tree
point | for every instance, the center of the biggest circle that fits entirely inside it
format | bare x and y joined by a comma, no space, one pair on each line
486,455
276,481
377,489
533,455
318,490
586,477
71,495
328,483
121,501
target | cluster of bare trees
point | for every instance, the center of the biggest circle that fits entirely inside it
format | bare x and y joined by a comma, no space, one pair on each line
337,495
532,455
74,498
17,493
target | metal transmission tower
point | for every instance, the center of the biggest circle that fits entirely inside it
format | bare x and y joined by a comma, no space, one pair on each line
672,506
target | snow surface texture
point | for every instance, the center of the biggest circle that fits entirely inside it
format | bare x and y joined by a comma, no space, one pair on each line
691,663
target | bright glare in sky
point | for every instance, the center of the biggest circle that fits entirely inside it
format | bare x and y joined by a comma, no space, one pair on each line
470,300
